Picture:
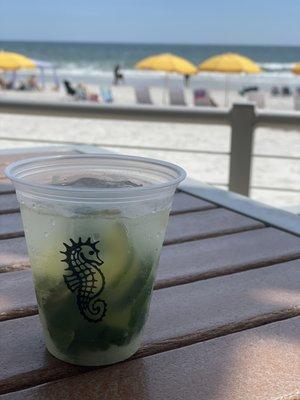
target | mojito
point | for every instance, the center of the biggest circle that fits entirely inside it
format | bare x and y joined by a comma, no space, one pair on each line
94,227
93,274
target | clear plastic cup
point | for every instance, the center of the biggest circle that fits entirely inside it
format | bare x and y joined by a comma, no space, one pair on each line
94,227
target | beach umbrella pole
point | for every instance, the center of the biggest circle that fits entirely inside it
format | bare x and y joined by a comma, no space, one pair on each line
226,91
43,78
164,99
55,78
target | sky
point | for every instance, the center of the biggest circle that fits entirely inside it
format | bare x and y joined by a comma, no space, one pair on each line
257,22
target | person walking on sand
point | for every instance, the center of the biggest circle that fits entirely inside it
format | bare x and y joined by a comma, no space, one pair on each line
187,79
118,76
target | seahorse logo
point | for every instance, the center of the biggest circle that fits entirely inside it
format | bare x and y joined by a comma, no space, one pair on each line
85,278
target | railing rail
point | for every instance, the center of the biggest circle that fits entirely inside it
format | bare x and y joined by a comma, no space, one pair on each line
243,119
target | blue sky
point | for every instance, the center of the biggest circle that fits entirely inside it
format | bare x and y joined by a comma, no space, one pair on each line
159,21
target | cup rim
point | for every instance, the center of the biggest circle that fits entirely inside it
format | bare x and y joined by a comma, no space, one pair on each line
12,169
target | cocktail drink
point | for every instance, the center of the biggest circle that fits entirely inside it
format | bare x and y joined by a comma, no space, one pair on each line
94,226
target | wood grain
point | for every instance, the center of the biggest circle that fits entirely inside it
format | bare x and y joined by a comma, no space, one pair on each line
8,203
181,228
206,259
179,316
11,224
183,203
257,364
6,186
190,261
204,224
13,254
8,158
272,216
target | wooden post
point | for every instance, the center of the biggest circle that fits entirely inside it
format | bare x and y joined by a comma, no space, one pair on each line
242,120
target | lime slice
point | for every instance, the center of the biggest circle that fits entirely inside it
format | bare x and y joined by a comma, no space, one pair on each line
117,254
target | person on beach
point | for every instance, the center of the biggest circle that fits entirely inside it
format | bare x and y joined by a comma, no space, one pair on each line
186,79
30,84
118,76
2,83
6,84
81,92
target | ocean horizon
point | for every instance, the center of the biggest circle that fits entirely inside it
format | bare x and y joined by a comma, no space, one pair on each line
93,63
103,56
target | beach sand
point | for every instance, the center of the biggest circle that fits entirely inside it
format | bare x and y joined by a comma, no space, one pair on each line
268,173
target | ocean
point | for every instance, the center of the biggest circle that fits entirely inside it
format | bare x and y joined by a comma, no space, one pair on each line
93,62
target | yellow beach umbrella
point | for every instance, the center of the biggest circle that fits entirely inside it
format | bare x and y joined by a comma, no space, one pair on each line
167,62
229,63
14,61
296,69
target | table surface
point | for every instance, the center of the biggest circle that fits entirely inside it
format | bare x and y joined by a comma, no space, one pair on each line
223,319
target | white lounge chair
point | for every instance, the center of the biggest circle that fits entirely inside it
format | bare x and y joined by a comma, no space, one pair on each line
201,98
177,98
142,94
297,100
106,95
256,97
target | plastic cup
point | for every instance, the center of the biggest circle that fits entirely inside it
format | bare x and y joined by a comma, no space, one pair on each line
94,227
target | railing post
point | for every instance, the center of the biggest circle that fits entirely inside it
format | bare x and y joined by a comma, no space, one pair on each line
242,120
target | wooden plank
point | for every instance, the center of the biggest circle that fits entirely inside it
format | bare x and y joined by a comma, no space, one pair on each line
190,261
179,316
6,186
257,364
184,203
8,158
13,254
10,224
204,224
182,227
206,259
17,296
223,300
255,209
8,203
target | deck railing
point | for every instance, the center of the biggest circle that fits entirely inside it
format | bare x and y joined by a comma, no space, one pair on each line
243,118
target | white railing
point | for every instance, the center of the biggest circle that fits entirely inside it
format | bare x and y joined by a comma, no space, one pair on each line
243,119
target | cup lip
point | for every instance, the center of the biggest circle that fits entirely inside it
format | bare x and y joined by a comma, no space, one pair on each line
10,172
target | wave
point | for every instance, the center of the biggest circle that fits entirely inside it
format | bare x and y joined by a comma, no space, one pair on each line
94,73
101,69
276,67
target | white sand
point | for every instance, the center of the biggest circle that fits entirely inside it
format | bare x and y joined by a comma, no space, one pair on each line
212,168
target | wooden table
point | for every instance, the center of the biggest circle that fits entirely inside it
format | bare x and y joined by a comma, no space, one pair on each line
222,323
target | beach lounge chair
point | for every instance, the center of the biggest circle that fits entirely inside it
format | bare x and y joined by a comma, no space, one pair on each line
69,89
176,94
201,98
256,97
248,89
297,99
142,94
285,91
106,95
275,91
